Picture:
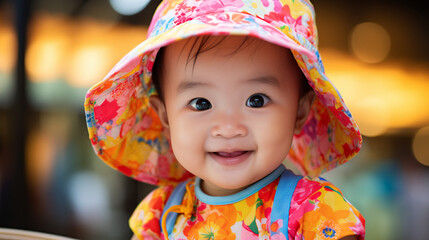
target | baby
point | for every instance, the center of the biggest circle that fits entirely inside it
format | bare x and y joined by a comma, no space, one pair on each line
209,107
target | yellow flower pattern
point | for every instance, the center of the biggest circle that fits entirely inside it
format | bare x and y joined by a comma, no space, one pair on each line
318,210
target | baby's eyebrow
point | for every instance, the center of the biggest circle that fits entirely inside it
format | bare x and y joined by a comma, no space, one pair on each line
270,80
185,85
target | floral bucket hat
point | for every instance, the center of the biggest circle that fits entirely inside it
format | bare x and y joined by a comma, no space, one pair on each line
126,132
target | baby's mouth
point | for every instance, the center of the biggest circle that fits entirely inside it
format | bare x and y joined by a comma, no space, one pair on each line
230,158
230,154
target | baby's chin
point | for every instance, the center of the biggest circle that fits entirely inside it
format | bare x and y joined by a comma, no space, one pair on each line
226,187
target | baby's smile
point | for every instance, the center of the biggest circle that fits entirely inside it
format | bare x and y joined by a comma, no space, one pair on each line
230,154
230,158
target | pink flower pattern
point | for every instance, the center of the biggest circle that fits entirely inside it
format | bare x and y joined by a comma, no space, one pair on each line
318,211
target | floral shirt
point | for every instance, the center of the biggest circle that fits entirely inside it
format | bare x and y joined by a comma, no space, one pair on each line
318,210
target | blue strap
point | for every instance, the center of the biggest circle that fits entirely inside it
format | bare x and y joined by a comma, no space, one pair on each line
282,200
175,198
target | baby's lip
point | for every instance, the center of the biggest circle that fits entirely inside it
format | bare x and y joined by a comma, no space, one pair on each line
230,158
230,154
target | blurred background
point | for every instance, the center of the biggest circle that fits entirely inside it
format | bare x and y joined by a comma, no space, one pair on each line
51,52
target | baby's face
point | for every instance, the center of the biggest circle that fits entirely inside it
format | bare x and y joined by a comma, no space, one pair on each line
232,115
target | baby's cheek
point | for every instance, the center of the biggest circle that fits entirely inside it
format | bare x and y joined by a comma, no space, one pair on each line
279,128
277,138
185,139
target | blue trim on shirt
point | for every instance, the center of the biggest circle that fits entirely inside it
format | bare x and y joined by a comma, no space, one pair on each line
252,189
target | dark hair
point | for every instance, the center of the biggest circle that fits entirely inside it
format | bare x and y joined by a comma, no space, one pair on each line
157,72
202,46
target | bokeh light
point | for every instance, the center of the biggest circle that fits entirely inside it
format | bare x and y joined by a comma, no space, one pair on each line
45,58
88,65
421,145
47,49
128,7
382,97
7,49
370,42
80,59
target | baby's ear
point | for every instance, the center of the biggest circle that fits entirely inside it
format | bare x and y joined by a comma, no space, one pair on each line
304,107
158,105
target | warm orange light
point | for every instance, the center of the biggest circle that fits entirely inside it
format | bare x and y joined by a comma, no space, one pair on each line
88,65
49,42
370,42
79,51
7,49
381,97
421,146
46,58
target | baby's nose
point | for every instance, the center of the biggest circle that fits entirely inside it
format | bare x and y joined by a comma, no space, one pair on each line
229,127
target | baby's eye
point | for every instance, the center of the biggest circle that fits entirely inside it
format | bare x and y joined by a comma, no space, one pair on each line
200,104
257,100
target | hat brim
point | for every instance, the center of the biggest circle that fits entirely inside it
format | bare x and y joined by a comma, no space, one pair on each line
127,134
